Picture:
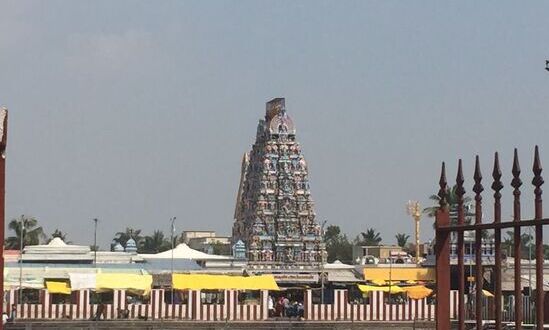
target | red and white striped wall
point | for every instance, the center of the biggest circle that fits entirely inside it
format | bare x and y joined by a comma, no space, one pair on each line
376,310
156,308
230,309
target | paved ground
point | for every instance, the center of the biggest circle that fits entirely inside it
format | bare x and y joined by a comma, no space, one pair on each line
266,325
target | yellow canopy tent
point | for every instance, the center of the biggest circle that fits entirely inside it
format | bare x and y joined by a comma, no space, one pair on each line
62,287
137,283
399,274
413,292
382,282
223,282
370,288
417,291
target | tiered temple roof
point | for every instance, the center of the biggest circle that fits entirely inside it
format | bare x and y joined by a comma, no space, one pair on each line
274,214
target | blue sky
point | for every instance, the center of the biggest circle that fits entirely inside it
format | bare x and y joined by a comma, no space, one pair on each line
137,111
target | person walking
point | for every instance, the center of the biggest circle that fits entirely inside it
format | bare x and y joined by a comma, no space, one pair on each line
270,303
286,306
13,313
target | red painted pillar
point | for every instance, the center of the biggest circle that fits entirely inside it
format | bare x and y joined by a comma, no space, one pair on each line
537,182
442,252
3,142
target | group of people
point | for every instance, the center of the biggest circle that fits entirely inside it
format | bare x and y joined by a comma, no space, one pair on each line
285,308
9,318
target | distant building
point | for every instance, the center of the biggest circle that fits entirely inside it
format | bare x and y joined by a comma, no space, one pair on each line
57,251
424,249
488,251
379,254
188,235
207,241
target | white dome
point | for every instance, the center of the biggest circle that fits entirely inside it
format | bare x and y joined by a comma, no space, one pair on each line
118,248
131,246
57,241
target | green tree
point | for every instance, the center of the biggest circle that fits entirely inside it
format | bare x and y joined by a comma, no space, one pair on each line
338,245
526,245
452,200
123,236
402,239
370,237
156,243
32,233
218,248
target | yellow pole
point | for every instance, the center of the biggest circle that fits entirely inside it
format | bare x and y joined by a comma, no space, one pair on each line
417,218
414,209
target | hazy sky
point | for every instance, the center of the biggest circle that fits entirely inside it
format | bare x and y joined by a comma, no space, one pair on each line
136,111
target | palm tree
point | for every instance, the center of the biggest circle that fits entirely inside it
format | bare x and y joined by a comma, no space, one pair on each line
61,235
123,236
402,239
32,233
526,240
370,237
156,243
452,200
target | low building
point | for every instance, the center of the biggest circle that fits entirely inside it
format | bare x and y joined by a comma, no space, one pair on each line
187,235
57,251
379,253
425,249
207,241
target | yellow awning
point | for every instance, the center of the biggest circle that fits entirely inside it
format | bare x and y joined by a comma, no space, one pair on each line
417,291
223,282
381,282
133,282
399,274
370,288
58,287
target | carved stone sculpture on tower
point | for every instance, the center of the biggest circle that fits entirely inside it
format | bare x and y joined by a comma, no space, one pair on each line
274,213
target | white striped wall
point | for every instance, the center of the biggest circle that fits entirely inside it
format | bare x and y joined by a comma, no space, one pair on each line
375,310
156,308
230,309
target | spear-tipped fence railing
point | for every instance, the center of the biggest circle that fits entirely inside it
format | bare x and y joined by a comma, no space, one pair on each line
444,228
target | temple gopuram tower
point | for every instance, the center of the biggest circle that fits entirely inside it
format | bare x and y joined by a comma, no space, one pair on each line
274,213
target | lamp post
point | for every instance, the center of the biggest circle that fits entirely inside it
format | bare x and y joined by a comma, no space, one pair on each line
322,265
172,220
471,276
95,242
413,208
390,279
21,234
530,266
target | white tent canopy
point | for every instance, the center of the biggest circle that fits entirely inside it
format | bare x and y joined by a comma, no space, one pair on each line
183,251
